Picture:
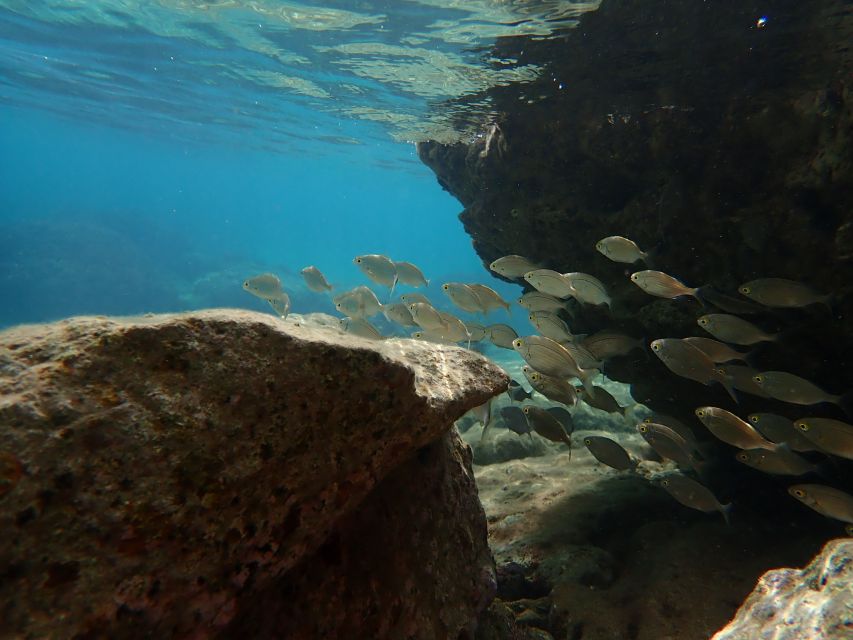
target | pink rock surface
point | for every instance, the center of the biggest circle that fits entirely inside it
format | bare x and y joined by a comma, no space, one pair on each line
157,474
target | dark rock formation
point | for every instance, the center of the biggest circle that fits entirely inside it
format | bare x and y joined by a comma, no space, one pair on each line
725,148
810,604
161,476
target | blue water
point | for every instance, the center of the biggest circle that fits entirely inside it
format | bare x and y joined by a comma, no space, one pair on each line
154,154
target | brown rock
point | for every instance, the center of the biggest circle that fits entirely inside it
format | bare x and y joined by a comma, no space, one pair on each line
159,473
792,604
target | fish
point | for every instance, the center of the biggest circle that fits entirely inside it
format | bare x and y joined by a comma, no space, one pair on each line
409,274
380,269
719,352
827,501
734,330
604,345
676,425
550,282
513,266
426,316
685,360
728,303
280,305
501,335
399,313
610,452
588,289
782,462
551,358
453,328
360,302
779,429
538,301
582,356
555,389
550,325
516,392
315,280
781,293
741,378
515,420
831,436
620,249
411,298
483,414
476,331
546,425
662,285
694,495
562,414
489,298
266,286
462,296
603,400
670,445
433,335
729,428
784,386
360,327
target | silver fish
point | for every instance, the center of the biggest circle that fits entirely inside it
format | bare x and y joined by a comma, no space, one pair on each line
676,425
409,274
515,420
588,289
781,462
555,389
453,328
546,425
399,313
827,501
360,327
462,296
433,335
602,399
550,282
483,414
609,452
360,302
669,444
620,249
787,387
380,269
685,360
734,330
831,436
266,286
538,301
513,266
662,285
476,331
608,344
781,293
489,298
501,335
315,280
550,325
694,495
779,429
719,352
729,428
426,316
411,298
280,305
551,358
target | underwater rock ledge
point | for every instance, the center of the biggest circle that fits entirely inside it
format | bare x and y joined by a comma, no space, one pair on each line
161,475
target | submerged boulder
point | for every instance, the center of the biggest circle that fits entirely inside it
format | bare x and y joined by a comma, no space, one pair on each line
158,476
800,604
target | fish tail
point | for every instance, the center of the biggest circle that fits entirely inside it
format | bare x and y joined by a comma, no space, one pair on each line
698,296
725,510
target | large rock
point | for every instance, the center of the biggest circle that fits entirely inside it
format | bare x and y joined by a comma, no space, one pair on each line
815,603
158,475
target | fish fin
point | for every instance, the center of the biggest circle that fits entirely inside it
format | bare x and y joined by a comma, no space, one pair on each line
393,286
726,510
696,295
845,403
726,381
586,377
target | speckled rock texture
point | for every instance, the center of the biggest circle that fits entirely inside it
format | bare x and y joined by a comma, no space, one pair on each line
814,603
159,475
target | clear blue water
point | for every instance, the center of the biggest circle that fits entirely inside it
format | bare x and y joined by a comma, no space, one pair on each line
154,154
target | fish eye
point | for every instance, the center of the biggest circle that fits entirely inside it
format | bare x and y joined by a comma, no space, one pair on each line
759,379
656,347
635,277
745,290
517,342
445,287
587,441
526,410
703,321
799,493
664,483
358,260
742,456
648,420
802,426
642,428
753,419
700,413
